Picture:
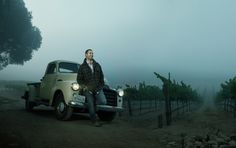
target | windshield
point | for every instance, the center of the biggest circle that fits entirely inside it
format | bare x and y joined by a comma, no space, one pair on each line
68,67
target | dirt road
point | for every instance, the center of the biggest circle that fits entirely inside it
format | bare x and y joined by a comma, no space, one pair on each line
40,129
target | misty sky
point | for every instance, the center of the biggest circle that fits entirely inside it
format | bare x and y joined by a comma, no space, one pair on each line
194,40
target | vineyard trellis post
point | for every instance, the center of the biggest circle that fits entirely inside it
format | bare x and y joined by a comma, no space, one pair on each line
168,105
129,107
140,105
155,103
160,121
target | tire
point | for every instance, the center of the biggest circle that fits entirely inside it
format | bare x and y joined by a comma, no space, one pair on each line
106,116
29,105
62,110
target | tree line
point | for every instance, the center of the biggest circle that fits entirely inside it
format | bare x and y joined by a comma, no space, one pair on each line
227,94
176,91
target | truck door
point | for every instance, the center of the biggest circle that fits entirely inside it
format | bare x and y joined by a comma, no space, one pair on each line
48,81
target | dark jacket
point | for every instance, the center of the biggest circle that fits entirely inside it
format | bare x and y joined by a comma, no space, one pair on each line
93,81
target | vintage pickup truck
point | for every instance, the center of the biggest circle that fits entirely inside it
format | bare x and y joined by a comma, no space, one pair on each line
58,88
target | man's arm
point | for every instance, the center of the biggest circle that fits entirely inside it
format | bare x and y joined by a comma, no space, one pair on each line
101,79
80,78
102,83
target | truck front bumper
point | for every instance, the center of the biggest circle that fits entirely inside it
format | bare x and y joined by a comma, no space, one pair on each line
79,102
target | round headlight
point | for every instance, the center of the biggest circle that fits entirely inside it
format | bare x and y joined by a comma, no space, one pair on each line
75,86
120,92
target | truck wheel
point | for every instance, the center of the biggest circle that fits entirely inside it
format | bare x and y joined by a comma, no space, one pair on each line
29,105
106,116
62,110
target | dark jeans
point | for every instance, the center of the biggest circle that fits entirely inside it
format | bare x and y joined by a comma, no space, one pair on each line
99,99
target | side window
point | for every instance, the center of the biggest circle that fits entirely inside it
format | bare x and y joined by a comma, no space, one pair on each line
51,69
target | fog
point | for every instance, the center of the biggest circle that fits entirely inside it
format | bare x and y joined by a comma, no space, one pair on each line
194,40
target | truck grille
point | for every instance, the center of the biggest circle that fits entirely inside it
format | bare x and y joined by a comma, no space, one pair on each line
111,96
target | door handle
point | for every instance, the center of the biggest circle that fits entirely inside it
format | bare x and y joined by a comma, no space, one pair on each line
42,78
59,79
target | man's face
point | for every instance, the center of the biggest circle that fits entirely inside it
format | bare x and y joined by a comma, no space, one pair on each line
89,55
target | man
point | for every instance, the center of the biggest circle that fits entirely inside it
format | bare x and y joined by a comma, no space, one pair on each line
90,77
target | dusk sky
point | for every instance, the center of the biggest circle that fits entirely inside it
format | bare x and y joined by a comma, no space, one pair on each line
194,40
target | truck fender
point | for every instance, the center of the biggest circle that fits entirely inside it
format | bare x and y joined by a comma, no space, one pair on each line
52,102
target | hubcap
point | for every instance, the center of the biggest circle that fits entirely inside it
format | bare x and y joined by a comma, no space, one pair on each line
61,107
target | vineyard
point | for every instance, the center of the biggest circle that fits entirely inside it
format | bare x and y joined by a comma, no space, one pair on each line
172,100
193,119
226,97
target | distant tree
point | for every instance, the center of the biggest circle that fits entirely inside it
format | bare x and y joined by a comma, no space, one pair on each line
228,90
227,94
18,37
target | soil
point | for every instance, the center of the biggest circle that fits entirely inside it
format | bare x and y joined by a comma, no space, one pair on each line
40,128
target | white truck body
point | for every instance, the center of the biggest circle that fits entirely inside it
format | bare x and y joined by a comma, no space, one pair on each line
57,83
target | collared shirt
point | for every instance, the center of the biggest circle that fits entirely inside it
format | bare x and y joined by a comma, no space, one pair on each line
90,65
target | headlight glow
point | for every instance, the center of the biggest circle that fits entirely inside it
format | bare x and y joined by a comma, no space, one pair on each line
120,92
75,86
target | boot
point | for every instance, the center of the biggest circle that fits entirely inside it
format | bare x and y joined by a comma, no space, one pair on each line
96,123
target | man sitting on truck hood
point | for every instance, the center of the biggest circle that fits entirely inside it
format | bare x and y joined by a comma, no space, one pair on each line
90,77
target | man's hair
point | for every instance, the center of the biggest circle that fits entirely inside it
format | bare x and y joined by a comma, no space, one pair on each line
88,51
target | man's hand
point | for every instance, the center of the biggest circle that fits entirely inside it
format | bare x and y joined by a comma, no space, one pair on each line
85,88
98,89
97,92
